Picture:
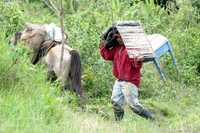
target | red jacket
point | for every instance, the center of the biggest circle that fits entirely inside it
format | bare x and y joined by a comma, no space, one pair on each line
124,68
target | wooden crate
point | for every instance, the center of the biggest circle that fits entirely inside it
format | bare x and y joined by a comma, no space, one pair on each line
135,39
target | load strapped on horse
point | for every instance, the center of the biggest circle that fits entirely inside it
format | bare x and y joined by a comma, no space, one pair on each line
137,43
45,41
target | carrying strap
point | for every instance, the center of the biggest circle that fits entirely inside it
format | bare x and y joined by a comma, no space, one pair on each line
43,50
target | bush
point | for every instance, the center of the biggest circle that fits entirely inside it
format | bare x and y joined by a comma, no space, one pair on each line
85,28
86,25
11,17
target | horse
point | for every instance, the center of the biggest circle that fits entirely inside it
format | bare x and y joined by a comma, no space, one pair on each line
47,49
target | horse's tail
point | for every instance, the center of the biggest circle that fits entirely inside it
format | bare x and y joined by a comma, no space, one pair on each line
75,72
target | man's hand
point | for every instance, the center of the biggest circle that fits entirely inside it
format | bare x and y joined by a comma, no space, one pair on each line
140,58
118,38
102,43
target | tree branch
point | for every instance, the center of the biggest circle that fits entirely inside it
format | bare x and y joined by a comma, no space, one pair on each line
52,6
63,32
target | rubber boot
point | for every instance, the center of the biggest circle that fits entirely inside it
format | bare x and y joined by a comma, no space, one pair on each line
119,115
118,111
143,112
146,114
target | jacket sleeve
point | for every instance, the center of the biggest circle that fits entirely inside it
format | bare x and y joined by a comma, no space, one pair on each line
107,54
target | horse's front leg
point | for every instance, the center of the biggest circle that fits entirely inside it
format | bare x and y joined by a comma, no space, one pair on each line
51,76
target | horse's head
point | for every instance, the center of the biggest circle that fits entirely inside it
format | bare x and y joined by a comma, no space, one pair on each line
33,34
15,39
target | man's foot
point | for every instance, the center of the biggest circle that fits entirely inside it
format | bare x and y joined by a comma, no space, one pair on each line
119,115
143,112
148,115
118,111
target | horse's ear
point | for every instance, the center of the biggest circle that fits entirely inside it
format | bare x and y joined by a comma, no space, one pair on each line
30,26
42,31
27,24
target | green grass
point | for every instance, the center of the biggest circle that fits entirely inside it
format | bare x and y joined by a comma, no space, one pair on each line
28,103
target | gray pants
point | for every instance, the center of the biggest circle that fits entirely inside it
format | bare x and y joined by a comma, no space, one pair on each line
126,92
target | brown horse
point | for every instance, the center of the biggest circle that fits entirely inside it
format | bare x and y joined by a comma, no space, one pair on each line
49,50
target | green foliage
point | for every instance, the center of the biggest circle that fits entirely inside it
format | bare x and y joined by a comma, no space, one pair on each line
196,5
69,6
11,17
85,28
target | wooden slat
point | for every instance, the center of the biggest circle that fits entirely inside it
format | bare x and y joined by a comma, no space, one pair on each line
135,40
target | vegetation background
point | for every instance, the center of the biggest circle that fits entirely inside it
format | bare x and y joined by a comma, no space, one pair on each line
28,103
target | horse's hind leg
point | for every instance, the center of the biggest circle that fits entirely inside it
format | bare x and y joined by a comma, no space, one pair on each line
66,84
51,76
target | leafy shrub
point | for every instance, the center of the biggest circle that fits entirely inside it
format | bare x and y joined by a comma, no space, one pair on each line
196,4
11,17
85,28
92,17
